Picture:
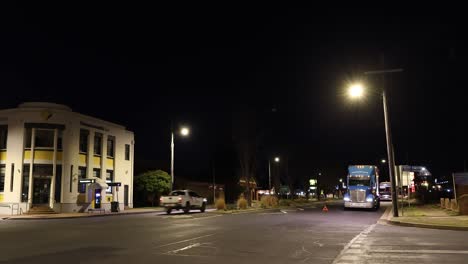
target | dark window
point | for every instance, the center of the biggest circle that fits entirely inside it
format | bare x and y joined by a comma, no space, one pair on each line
12,176
44,138
3,137
109,178
98,144
84,141
81,175
97,173
2,178
71,178
127,152
177,193
27,137
59,140
193,194
58,184
110,146
25,185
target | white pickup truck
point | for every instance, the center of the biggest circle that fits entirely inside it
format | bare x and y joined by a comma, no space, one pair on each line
183,199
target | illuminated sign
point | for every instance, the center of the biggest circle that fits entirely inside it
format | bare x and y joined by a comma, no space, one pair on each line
313,182
86,180
114,184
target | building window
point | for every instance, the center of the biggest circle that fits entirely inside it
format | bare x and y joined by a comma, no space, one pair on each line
109,178
59,140
81,176
127,152
44,138
110,146
84,141
2,178
3,137
98,144
25,185
97,173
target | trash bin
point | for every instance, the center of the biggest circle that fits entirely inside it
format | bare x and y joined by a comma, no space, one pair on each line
114,207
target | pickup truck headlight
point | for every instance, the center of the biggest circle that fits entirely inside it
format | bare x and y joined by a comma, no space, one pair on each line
346,199
205,200
370,199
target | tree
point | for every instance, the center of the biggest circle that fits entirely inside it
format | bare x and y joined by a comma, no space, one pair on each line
153,184
246,141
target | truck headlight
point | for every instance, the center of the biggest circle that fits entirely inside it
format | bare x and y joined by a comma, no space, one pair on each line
370,199
346,199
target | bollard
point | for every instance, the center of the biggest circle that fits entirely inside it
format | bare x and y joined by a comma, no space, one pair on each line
454,205
447,203
442,203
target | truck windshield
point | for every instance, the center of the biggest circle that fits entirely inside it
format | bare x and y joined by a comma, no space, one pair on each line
359,182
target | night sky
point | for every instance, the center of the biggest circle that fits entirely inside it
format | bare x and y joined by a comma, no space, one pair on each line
143,66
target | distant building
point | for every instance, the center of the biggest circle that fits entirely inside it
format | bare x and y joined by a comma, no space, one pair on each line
54,158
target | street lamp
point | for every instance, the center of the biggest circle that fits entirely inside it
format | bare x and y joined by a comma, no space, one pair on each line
356,91
184,131
383,161
277,160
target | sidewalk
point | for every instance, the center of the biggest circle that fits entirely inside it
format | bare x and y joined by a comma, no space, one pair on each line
427,216
82,215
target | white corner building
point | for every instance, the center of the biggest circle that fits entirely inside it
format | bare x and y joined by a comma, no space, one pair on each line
52,158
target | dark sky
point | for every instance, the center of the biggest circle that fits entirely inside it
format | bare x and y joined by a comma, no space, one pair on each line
144,65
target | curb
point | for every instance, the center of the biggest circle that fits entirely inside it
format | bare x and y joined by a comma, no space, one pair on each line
79,216
388,218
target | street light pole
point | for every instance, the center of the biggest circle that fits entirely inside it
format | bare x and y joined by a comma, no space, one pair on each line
391,160
172,160
390,151
269,175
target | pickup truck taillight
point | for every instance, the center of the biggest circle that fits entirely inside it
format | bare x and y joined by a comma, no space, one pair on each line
180,199
160,199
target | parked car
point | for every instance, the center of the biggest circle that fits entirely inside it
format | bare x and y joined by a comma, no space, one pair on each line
183,200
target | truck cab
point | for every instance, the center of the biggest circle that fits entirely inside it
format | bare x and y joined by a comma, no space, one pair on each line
363,184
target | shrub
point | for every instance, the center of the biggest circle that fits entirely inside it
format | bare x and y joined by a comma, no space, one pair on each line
242,203
268,201
300,200
285,202
220,204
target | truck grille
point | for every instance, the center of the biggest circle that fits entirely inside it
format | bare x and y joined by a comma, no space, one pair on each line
358,196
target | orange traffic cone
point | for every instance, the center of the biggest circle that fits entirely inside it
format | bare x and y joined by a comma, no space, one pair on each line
325,209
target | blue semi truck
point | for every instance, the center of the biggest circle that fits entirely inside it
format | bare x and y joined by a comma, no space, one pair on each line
363,187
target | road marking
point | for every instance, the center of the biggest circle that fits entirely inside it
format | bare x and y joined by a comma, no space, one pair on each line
186,240
342,255
184,248
301,209
284,212
419,251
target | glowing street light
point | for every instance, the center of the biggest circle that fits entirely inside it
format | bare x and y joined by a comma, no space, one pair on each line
184,131
383,161
277,159
356,91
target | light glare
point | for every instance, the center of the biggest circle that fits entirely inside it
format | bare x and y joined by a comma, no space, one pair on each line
356,91
184,131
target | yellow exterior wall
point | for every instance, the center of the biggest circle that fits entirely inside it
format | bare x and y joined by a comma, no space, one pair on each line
1,197
42,155
3,155
109,198
83,159
110,163
97,161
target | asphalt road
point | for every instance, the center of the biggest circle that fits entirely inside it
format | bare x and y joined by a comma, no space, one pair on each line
290,236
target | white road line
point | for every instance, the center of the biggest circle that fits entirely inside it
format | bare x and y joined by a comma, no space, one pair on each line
284,212
342,253
419,251
301,209
186,240
184,248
